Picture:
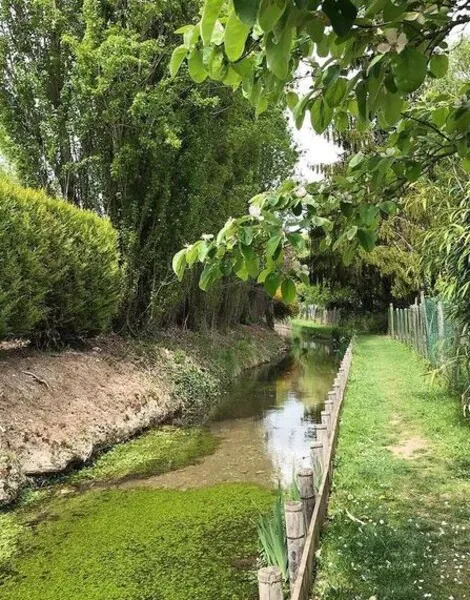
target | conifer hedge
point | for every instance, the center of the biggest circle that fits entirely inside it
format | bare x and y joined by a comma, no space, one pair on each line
59,266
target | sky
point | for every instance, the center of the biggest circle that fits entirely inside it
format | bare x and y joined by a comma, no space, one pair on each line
315,149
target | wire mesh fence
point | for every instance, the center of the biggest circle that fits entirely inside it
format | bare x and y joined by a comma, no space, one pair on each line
426,326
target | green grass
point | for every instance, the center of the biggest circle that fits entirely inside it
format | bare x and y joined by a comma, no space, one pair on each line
325,331
153,453
413,541
141,544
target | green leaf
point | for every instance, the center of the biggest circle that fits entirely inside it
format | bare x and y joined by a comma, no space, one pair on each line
341,13
247,252
289,291
393,105
315,29
300,109
341,121
278,54
179,263
210,15
323,46
272,282
236,34
336,92
439,65
273,244
292,100
218,34
196,67
232,78
413,171
368,213
356,160
262,276
215,64
191,37
247,10
367,239
184,29
210,274
409,70
375,7
297,241
439,116
270,12
321,115
192,253
466,165
177,58
389,207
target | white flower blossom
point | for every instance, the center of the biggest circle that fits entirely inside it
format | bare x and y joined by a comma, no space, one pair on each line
301,192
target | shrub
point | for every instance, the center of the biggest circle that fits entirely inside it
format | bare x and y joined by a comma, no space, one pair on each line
59,266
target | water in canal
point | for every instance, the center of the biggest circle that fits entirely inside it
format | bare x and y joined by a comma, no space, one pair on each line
265,422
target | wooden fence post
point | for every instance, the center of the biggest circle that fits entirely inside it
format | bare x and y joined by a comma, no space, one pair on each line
322,436
295,533
415,327
326,421
270,583
425,324
330,408
441,329
316,449
391,328
307,493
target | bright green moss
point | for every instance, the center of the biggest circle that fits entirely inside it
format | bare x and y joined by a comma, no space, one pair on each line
142,544
10,531
153,453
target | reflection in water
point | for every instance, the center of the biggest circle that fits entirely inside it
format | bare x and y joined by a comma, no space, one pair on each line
265,422
286,399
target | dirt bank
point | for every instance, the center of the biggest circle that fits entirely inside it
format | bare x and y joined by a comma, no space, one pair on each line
58,409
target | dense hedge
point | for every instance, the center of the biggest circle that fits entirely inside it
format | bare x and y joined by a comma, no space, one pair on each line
59,267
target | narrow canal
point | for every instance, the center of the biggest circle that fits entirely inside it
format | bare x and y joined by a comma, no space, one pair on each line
191,532
265,422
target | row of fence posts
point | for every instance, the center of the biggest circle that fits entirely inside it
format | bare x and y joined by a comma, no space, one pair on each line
411,325
298,515
321,315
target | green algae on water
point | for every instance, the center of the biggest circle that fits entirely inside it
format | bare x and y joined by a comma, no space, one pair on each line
153,453
142,544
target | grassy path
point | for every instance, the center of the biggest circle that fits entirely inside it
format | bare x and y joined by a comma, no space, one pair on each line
399,525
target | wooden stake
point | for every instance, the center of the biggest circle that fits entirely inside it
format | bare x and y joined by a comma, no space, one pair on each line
270,583
295,532
307,493
316,449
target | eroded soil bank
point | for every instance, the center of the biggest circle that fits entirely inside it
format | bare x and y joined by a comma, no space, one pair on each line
58,409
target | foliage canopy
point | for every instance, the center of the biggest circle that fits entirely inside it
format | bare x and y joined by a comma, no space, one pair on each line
363,60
